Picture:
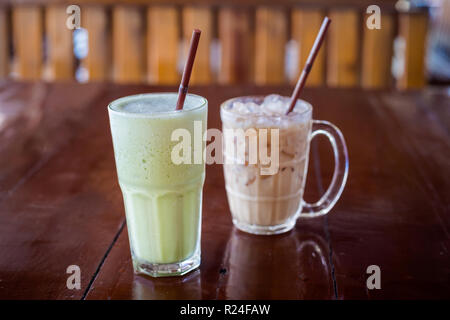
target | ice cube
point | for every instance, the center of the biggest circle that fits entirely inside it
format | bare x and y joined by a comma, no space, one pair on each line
272,98
275,104
245,107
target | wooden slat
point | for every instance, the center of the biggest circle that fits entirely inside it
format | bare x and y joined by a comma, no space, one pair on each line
27,29
97,62
162,44
377,54
4,43
201,18
236,39
59,40
270,42
128,44
413,29
343,48
305,25
388,5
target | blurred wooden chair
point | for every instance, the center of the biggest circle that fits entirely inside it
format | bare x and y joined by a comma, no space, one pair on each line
133,42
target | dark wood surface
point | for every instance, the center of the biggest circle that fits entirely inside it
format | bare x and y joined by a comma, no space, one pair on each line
60,203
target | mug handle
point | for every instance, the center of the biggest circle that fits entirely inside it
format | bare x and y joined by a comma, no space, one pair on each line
331,196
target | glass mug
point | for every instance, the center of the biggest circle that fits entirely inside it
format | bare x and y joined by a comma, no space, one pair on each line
271,203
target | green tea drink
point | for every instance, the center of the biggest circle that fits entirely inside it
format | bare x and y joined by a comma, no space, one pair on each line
163,200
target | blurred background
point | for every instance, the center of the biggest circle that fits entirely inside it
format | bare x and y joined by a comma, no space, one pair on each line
243,41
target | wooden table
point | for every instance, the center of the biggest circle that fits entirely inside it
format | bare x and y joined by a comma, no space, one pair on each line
60,203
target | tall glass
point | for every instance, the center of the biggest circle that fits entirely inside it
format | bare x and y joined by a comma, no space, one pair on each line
271,203
163,199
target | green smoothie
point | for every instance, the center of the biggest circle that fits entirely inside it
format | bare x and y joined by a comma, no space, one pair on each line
163,200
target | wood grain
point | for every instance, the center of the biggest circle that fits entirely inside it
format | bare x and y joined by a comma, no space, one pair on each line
236,38
305,26
270,42
394,191
343,49
413,28
45,235
128,44
4,42
163,40
97,62
200,18
60,203
377,54
28,35
60,57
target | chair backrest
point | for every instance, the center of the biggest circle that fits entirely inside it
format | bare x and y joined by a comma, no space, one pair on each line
142,41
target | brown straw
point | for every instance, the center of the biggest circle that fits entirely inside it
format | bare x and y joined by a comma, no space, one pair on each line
188,69
309,63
